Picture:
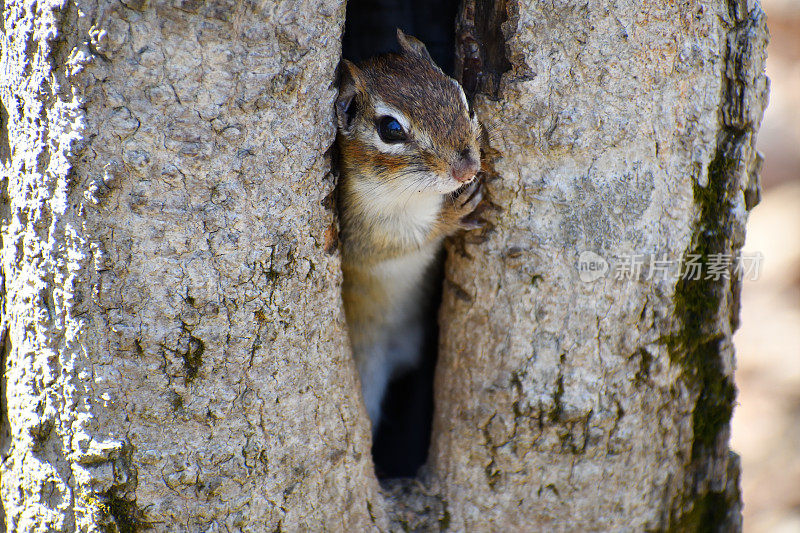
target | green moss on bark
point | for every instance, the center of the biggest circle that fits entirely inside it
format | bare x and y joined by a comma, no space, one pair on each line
699,344
708,512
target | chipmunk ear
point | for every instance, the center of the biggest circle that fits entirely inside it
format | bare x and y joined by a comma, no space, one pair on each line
412,45
351,84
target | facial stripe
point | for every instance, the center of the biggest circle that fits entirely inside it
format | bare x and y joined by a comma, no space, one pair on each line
374,140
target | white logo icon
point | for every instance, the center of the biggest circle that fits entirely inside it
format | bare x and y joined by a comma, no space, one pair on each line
591,266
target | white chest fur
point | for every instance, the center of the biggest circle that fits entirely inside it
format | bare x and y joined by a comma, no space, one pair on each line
391,334
403,210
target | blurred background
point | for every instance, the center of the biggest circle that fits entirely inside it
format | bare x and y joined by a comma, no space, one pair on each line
766,422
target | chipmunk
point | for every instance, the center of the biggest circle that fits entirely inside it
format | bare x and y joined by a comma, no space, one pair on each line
409,154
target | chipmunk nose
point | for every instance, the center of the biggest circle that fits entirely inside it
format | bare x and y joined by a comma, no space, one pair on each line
465,168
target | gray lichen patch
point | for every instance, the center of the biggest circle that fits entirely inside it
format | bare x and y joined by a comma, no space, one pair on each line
605,210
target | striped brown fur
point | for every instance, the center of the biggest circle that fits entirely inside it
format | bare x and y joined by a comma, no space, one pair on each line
398,200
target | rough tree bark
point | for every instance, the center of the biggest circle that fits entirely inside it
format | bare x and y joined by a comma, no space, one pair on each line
175,351
173,344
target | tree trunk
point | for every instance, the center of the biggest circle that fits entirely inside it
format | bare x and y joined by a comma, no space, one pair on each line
566,399
174,352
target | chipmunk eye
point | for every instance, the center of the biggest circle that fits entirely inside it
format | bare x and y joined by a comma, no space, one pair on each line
390,130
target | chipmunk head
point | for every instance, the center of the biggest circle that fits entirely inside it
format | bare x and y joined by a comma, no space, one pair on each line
405,123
